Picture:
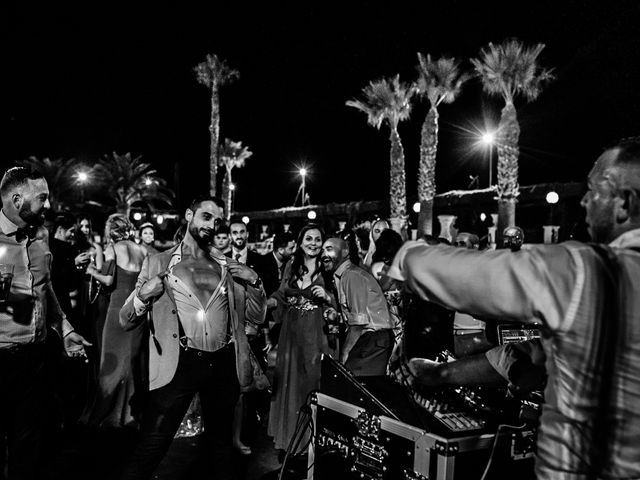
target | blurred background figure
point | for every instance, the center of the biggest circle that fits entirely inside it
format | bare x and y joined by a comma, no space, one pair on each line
222,240
87,251
148,237
377,228
120,375
513,238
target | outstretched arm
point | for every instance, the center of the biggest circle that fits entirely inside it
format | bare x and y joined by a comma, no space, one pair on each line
535,285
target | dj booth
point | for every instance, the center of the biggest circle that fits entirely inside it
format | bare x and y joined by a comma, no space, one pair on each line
375,429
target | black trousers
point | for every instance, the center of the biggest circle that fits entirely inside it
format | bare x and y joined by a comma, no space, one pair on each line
370,355
214,376
23,409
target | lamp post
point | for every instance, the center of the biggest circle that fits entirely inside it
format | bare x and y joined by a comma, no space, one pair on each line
232,193
488,139
302,190
303,186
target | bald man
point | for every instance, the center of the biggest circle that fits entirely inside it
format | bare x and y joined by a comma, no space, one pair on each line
587,297
362,304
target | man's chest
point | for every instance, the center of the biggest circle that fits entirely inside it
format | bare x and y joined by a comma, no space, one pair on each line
200,276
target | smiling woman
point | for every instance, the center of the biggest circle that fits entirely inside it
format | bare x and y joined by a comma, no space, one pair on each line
301,299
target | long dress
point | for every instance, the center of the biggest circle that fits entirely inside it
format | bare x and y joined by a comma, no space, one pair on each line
120,363
99,308
300,346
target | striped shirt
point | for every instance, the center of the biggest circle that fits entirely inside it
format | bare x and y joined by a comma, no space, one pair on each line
563,287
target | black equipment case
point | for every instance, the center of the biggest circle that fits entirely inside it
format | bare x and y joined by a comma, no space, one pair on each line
387,436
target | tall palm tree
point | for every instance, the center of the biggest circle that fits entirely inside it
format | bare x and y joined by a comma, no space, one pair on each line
129,180
214,73
61,176
510,70
439,81
232,155
388,101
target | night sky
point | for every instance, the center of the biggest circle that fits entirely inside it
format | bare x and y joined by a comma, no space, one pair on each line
84,80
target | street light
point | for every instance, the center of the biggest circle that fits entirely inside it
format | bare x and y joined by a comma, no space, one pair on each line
552,198
83,178
311,215
416,207
303,186
148,182
245,220
488,139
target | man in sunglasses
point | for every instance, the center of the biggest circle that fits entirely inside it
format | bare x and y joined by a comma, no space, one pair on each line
195,302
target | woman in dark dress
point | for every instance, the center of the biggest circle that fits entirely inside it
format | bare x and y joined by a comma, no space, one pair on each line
120,356
302,340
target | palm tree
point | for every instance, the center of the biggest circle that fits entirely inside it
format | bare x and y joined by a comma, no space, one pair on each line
232,155
439,81
510,70
214,73
129,180
61,176
388,101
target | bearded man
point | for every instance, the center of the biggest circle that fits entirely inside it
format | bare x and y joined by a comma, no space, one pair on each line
199,301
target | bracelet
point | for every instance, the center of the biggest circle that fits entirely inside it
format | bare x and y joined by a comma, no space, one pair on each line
68,333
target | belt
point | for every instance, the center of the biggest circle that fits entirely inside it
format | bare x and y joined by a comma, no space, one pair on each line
203,353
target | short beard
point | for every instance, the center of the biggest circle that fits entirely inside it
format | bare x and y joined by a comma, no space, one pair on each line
29,217
203,242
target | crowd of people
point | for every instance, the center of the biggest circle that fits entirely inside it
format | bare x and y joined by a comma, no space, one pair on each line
191,327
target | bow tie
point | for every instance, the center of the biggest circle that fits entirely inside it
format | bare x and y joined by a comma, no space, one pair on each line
22,233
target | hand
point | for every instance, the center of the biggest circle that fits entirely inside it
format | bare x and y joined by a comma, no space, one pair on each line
74,346
91,270
425,372
268,346
272,303
320,293
330,315
241,271
152,289
84,257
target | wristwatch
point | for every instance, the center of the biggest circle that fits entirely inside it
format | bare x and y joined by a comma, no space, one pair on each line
256,284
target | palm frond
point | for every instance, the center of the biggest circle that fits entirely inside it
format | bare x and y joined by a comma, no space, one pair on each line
511,69
385,100
233,154
439,80
128,179
214,71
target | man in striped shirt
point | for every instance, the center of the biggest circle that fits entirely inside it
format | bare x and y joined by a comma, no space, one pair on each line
566,288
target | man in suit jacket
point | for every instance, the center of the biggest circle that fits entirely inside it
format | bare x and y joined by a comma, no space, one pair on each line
199,301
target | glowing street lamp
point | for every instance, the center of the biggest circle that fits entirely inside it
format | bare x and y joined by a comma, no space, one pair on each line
416,207
311,215
552,198
245,220
232,187
83,178
488,139
137,216
303,186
